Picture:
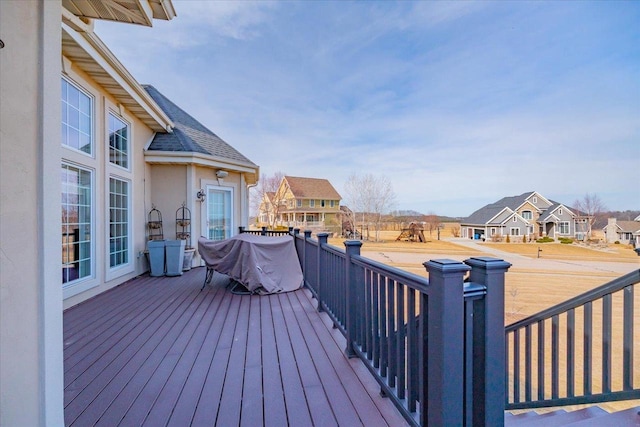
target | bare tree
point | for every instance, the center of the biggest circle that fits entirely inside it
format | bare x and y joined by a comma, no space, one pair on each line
265,199
432,222
590,208
371,196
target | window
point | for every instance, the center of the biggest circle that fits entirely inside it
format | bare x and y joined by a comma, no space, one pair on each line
493,231
299,203
535,199
312,203
515,218
563,227
118,142
515,231
118,222
527,215
560,211
332,203
322,203
77,113
77,189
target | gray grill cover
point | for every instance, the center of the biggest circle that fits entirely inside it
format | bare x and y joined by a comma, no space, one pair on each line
263,264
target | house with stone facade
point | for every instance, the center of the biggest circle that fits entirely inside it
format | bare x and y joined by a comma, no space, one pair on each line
626,232
529,215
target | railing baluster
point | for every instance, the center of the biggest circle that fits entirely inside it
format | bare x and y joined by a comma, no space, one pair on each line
606,343
555,357
400,340
375,320
541,382
412,352
382,325
627,339
571,349
527,363
516,365
392,330
588,349
368,314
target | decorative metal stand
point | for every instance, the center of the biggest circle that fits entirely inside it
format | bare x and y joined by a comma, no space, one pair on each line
154,225
183,225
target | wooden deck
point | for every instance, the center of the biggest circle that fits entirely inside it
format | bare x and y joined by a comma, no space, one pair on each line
157,351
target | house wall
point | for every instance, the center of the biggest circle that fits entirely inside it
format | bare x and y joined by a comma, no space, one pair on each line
31,368
104,276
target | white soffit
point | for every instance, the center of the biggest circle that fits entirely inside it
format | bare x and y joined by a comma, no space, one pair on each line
87,52
141,12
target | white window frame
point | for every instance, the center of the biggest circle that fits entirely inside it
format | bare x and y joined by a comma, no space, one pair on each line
560,211
312,203
204,212
535,199
332,203
129,266
516,230
298,203
92,114
79,285
528,214
560,226
116,116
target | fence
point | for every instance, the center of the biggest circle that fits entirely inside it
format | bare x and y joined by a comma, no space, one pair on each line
435,346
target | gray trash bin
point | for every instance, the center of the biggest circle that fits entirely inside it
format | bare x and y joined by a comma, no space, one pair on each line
156,257
175,257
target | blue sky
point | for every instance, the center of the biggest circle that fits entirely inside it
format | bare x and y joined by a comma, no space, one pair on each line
457,103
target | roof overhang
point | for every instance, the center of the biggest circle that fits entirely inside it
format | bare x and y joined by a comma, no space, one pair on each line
251,172
141,12
83,48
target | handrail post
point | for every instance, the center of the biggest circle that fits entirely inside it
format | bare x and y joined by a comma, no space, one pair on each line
322,240
489,369
442,382
264,231
352,247
305,270
241,229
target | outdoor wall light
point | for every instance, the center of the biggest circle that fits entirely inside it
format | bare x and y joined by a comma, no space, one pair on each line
201,195
222,174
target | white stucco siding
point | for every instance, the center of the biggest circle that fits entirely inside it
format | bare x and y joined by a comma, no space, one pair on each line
31,370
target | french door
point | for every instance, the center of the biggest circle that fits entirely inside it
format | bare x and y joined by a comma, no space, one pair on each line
219,224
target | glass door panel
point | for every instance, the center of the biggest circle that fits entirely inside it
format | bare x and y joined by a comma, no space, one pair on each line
219,213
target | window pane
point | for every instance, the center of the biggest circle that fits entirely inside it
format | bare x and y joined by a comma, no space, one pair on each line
118,141
76,223
118,222
77,114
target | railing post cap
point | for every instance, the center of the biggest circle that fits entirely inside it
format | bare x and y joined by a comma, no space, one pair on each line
446,266
488,263
323,234
352,243
307,233
296,231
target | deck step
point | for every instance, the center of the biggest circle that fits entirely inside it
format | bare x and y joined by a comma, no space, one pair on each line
593,416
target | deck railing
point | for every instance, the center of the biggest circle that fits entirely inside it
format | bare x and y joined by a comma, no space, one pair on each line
435,346
543,365
264,231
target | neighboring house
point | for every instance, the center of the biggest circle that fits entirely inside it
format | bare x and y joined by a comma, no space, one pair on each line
267,210
306,203
622,231
529,214
85,152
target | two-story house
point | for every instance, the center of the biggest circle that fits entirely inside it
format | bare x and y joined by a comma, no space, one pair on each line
530,215
305,203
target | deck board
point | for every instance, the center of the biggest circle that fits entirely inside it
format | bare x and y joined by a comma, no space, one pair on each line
157,351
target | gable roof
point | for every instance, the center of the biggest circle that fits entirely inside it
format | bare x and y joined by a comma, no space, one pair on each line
311,188
189,135
628,226
486,213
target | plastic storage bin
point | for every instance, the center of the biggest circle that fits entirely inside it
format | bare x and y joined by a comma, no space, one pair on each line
175,257
156,257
